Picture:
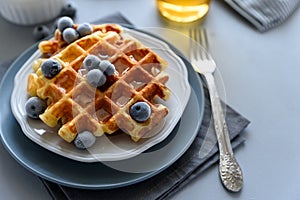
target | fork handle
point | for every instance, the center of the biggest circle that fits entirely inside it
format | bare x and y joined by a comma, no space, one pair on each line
229,169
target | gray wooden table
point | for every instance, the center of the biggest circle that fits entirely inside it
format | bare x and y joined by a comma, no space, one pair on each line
261,80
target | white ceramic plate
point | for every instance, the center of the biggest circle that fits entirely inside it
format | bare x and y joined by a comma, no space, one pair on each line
115,147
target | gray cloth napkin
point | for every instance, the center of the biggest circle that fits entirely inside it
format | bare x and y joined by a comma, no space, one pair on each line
169,181
265,14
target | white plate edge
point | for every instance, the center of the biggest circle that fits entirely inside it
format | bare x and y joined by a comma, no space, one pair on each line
92,159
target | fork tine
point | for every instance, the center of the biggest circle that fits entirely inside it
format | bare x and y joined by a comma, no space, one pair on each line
203,38
204,42
200,39
198,36
191,52
194,51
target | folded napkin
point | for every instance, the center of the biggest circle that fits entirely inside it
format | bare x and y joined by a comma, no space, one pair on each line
265,14
169,181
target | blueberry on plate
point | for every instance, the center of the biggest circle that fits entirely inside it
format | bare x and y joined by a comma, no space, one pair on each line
35,106
40,32
91,62
140,111
64,22
84,140
50,68
107,67
69,10
84,29
70,35
96,78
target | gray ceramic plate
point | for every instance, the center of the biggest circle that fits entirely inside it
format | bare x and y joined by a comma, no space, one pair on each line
61,170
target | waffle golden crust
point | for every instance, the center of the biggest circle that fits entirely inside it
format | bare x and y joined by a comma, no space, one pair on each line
57,43
77,106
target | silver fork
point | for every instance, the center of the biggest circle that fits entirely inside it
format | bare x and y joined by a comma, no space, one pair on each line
202,62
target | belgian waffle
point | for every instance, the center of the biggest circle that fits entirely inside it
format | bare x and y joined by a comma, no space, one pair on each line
75,106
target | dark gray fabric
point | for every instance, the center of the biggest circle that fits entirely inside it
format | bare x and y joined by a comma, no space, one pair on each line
168,182
265,14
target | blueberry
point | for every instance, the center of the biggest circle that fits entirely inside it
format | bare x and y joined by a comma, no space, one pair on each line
96,78
84,140
64,22
140,111
84,29
91,62
40,32
69,10
50,68
70,35
107,67
34,107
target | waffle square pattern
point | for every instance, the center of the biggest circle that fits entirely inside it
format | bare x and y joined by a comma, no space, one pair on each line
76,106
